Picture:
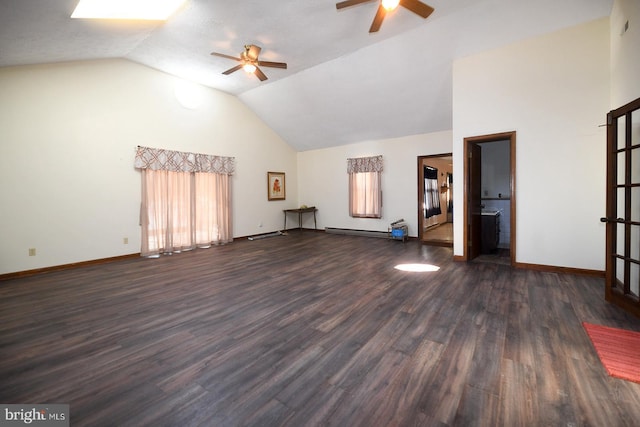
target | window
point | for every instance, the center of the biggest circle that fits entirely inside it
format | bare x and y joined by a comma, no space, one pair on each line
431,192
365,188
185,200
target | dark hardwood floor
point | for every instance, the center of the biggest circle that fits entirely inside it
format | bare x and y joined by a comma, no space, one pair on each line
311,329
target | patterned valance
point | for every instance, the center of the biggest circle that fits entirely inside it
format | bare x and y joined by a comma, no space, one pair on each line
178,161
364,164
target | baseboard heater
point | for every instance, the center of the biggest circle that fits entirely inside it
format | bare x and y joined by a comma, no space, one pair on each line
351,232
264,236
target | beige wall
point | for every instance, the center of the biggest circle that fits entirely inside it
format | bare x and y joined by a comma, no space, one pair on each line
553,91
68,133
625,52
322,180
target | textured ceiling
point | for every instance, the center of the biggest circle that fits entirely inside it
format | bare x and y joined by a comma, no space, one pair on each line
342,85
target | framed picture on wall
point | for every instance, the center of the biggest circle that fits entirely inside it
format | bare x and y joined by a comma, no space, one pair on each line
276,189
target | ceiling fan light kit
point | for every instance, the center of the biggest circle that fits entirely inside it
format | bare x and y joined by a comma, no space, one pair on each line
415,6
162,9
249,68
390,4
249,61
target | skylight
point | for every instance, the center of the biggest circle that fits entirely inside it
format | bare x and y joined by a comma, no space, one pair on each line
153,10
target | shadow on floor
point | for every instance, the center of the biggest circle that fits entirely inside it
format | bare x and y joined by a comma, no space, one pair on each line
501,256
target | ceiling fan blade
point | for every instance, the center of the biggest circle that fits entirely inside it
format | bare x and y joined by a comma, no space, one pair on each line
417,7
222,55
272,64
253,52
348,3
377,20
260,74
231,70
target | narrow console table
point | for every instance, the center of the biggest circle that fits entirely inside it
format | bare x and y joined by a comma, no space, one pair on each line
300,211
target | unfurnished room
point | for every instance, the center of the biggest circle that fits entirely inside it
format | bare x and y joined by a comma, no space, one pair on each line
320,213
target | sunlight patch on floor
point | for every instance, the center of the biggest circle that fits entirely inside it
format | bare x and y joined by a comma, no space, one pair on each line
417,267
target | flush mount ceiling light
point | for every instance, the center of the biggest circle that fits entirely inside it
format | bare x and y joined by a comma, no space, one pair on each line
152,10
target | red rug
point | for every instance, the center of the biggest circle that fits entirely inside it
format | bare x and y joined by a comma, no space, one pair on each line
618,349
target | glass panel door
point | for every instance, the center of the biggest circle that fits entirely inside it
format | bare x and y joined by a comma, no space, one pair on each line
623,207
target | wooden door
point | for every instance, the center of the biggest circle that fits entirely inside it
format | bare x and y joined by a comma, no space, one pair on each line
474,154
623,208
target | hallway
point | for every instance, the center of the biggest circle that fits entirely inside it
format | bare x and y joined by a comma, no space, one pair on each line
439,235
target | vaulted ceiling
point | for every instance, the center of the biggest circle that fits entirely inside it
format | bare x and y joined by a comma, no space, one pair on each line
342,85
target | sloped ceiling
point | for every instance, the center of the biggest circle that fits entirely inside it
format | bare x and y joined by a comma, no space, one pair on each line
342,85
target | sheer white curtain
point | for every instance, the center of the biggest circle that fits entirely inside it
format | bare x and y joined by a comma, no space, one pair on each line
185,200
166,211
212,209
365,188
365,196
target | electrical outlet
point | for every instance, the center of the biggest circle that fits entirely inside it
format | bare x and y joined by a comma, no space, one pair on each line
125,240
32,251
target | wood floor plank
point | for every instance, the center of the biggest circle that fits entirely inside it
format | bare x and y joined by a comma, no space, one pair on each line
370,392
478,408
518,395
400,403
311,329
442,397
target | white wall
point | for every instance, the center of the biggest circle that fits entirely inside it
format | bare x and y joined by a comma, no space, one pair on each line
323,181
625,87
554,92
625,52
68,187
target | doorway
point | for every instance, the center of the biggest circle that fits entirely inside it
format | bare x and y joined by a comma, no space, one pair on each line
435,199
489,230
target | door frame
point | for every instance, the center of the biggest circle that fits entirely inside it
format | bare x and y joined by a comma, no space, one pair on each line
467,211
421,199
